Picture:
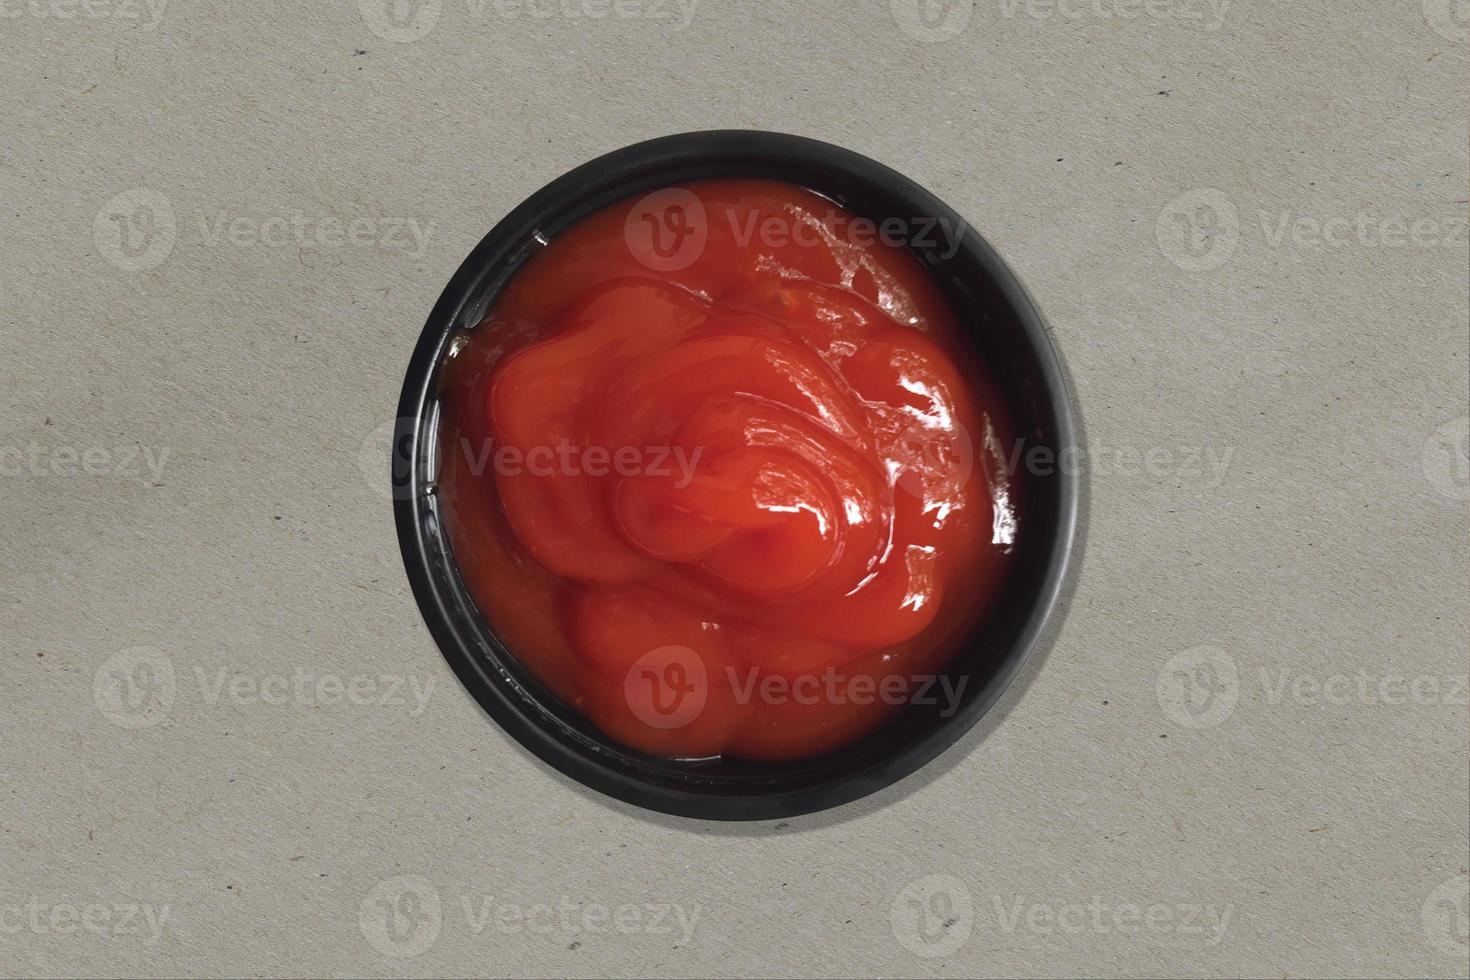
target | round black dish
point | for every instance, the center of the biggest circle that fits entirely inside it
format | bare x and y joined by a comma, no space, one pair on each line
1008,332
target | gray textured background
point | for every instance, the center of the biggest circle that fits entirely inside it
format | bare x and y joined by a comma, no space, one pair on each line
1245,753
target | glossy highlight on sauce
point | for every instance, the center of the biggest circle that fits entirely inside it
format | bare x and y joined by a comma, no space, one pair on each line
716,467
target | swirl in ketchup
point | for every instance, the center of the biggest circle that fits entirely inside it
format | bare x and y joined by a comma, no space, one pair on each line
718,469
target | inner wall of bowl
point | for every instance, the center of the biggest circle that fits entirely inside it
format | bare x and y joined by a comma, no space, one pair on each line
999,337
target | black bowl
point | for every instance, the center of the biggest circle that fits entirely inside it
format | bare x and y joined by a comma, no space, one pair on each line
1008,333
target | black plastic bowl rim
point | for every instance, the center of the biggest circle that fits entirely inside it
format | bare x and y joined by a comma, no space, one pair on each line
985,292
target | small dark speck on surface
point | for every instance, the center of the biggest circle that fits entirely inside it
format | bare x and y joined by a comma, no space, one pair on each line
573,945
1163,736
782,825
1165,91
358,51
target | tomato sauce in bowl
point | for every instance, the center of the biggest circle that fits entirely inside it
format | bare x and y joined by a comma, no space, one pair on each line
722,471
730,475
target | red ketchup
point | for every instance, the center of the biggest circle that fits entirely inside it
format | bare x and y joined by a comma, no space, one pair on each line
719,470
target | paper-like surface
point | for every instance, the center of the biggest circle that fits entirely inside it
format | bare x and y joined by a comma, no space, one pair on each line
229,746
